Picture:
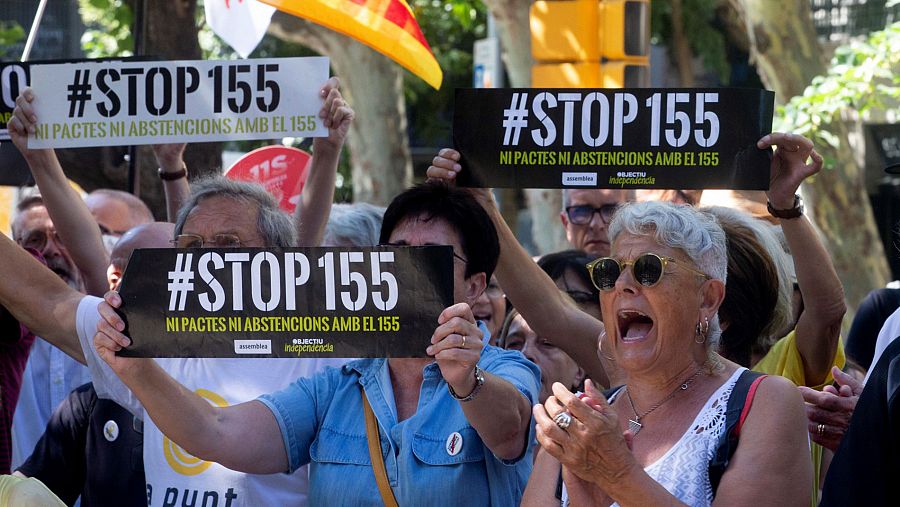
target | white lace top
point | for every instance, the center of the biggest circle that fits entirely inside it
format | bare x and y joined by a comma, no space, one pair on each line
684,469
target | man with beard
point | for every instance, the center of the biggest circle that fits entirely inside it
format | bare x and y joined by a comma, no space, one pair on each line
48,225
37,387
219,213
87,429
50,375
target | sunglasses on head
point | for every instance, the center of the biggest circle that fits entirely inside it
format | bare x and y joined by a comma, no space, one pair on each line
647,268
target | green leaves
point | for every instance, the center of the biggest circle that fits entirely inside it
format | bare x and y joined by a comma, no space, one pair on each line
451,28
863,75
11,33
108,30
700,28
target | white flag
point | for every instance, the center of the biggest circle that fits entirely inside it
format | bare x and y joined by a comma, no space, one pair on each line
240,23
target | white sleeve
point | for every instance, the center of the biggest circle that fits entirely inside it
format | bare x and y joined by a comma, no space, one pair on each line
889,332
106,382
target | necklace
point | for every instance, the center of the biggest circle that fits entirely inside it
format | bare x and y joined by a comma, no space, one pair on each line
635,424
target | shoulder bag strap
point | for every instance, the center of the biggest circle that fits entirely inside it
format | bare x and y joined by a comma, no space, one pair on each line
748,402
736,410
384,487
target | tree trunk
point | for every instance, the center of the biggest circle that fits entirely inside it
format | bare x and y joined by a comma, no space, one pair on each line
787,55
514,31
547,231
681,48
373,85
171,34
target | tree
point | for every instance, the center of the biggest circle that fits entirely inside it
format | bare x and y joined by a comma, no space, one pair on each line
788,57
171,33
688,35
373,85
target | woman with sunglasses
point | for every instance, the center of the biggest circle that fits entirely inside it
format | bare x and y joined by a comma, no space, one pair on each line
652,440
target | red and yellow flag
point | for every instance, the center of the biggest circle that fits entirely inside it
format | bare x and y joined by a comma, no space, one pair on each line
387,26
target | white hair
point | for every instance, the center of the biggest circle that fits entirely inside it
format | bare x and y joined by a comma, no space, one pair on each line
683,227
274,225
356,224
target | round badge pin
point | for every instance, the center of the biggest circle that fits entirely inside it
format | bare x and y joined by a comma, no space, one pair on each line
111,431
454,443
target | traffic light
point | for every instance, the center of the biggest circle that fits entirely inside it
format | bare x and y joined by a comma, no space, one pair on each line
565,31
625,30
625,74
567,75
590,43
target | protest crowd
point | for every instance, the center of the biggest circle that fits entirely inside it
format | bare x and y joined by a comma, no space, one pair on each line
675,354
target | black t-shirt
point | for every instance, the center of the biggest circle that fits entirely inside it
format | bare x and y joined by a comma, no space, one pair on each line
867,463
93,448
870,317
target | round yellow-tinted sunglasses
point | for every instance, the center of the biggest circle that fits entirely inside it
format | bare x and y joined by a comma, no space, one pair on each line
648,269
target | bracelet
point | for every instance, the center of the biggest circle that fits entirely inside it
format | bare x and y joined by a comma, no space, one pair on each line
479,381
787,214
177,175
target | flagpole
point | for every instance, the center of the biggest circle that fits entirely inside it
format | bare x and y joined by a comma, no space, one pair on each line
26,53
32,35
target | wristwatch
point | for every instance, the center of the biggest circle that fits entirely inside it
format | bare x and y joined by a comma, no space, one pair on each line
787,214
479,381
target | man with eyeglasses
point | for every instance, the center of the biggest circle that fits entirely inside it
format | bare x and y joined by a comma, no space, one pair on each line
88,440
586,214
49,224
220,212
32,389
32,228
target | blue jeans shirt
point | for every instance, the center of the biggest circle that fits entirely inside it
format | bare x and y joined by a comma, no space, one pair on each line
322,423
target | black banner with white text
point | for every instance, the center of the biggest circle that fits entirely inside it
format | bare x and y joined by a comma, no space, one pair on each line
613,138
297,302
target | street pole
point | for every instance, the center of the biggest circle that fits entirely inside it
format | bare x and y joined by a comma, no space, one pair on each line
134,177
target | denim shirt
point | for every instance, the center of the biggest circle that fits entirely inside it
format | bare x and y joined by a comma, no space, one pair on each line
322,423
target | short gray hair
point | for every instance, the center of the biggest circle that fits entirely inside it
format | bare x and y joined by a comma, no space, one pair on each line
273,224
356,224
679,226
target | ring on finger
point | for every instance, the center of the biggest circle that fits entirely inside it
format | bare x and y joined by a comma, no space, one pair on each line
563,420
463,342
820,429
